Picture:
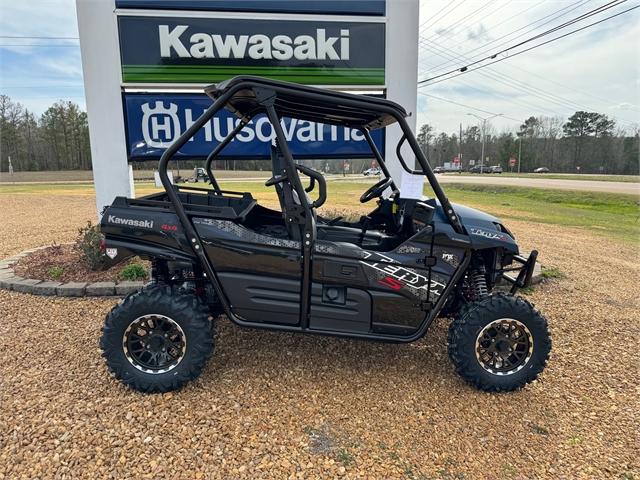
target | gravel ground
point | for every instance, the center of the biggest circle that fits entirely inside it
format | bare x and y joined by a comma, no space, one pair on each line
272,405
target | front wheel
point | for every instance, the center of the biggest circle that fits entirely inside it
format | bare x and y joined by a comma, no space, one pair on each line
500,344
157,339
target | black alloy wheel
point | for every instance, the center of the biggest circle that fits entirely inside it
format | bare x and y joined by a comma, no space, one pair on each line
154,343
504,346
499,344
158,339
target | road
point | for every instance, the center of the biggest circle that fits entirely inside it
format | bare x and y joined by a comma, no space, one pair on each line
542,182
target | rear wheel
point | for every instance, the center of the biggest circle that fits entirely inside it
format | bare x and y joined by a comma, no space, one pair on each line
157,339
499,344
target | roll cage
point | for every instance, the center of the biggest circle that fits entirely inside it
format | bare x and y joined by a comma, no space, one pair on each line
248,96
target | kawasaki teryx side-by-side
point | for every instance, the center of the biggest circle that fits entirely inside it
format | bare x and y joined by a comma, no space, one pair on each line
385,277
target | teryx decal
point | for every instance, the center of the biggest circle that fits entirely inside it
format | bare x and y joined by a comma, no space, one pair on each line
397,277
491,235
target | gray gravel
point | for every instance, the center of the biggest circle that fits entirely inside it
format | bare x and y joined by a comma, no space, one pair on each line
273,405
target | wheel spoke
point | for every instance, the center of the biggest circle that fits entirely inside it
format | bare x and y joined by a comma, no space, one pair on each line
503,346
154,343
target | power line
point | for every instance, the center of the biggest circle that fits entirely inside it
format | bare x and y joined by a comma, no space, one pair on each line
449,54
467,106
434,21
544,95
498,24
547,32
41,45
40,38
472,14
575,5
466,68
47,86
504,4
37,98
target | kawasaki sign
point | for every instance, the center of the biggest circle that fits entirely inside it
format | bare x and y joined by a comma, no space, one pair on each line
209,50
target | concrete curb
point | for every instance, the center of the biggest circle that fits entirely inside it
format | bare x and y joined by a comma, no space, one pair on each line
8,281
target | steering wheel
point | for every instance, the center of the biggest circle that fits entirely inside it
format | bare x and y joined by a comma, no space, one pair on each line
376,190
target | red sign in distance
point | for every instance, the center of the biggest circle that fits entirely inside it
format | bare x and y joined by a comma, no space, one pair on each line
512,161
373,163
456,160
578,168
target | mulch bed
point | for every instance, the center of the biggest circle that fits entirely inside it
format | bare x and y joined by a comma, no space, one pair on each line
37,265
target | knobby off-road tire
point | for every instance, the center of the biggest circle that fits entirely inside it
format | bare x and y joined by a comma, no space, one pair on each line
499,344
157,339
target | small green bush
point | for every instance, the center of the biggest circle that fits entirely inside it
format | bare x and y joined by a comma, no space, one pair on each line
552,273
89,244
134,271
55,272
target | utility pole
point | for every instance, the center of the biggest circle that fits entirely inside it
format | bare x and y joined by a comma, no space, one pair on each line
484,124
519,153
460,148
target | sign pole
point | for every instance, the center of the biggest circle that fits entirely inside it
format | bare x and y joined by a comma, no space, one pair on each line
11,171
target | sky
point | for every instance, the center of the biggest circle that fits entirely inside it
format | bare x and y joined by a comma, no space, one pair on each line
596,69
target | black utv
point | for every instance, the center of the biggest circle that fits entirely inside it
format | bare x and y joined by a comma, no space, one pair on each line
386,277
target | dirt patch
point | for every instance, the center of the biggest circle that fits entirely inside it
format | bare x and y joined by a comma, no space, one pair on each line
61,263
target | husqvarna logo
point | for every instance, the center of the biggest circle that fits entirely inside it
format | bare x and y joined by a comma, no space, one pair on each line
160,125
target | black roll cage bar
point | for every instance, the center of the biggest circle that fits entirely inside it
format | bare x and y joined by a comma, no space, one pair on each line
267,96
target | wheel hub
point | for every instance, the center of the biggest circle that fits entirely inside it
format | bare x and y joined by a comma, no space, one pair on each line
504,346
154,343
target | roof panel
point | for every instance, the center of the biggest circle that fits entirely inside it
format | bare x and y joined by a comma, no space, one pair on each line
306,103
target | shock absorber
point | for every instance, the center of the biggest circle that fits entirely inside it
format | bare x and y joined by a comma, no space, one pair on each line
479,281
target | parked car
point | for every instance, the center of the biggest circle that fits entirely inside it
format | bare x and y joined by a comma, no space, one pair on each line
479,169
371,171
439,170
495,169
541,170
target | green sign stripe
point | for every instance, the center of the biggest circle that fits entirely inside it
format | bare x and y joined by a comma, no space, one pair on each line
236,71
250,66
204,78
291,77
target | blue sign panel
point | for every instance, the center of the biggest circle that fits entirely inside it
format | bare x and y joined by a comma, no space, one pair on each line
323,7
155,121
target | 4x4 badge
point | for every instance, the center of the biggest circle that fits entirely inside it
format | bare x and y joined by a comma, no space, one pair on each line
112,253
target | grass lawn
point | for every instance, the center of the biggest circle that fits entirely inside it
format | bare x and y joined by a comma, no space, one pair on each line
608,214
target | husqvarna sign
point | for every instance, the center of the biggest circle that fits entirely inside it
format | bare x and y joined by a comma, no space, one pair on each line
134,49
154,122
209,50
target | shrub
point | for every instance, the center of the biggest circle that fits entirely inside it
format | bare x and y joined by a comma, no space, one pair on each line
133,272
55,272
89,244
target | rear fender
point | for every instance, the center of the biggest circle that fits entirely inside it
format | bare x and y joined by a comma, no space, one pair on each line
116,251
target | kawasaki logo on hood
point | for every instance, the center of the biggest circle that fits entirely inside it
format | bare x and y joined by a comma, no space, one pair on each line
257,47
129,222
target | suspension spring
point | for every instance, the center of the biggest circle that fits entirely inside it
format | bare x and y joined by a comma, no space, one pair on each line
153,280
479,283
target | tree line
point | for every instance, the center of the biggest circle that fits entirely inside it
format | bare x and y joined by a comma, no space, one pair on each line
59,140
591,141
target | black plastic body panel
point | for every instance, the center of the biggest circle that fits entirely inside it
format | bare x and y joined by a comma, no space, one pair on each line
353,316
258,298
